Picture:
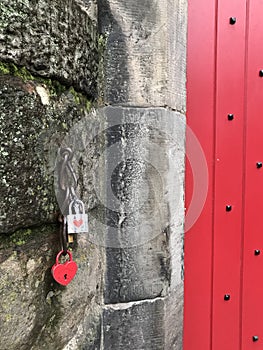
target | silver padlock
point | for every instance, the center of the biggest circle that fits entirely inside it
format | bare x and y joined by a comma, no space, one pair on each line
78,222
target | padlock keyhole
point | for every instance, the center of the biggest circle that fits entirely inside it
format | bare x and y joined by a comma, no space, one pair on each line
65,276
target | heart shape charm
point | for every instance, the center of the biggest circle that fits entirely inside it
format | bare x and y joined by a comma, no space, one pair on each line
64,273
78,223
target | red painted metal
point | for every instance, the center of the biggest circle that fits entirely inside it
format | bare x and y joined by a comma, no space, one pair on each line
64,273
253,236
228,157
200,110
224,60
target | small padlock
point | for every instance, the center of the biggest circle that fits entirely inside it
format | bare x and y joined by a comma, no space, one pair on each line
64,273
77,222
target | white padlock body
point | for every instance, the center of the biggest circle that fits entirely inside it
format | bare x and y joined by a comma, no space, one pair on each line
77,223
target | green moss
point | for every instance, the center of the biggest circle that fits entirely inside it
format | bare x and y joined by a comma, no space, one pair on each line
22,236
4,68
88,105
80,99
12,69
77,96
102,41
55,88
8,317
22,73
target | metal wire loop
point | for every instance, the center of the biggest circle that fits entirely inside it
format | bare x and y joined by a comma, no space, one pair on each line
66,170
63,233
67,178
67,183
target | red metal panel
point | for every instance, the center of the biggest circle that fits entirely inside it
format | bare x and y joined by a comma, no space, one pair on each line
228,175
224,249
253,235
200,111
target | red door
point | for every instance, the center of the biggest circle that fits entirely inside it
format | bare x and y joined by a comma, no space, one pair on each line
224,247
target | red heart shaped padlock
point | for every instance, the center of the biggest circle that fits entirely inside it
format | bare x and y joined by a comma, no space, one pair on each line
64,273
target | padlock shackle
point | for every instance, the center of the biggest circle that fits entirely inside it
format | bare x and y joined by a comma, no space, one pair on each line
76,201
62,252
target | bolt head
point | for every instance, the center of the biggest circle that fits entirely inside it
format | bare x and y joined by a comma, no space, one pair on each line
261,73
230,116
226,297
255,338
232,20
259,165
228,207
257,252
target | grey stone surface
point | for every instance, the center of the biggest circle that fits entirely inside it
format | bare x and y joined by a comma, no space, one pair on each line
54,39
136,326
57,42
145,325
145,56
173,321
35,312
145,196
33,123
176,54
138,273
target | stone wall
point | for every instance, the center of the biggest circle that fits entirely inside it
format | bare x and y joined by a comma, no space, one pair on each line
54,39
48,83
145,60
58,70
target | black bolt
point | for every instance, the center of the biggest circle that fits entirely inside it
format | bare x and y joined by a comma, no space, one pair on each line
232,20
255,338
261,73
257,252
259,165
228,207
227,297
230,116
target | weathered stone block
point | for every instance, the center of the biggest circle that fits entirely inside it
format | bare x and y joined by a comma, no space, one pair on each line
37,313
145,56
54,39
33,123
173,321
145,196
146,325
135,326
